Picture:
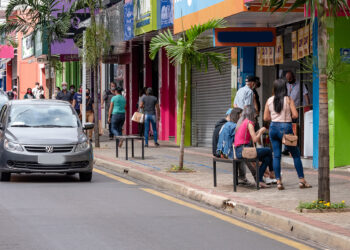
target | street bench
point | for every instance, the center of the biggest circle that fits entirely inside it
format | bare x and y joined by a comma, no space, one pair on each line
132,138
235,169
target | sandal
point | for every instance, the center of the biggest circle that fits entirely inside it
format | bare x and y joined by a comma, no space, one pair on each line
280,186
263,185
304,185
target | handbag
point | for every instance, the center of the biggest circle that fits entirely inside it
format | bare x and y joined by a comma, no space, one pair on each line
138,117
290,139
249,152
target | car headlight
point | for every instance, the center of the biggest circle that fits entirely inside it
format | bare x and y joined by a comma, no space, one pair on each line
12,146
82,146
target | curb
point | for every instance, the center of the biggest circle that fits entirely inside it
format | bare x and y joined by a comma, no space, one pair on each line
292,227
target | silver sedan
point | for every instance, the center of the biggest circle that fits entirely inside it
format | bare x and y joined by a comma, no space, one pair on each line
43,136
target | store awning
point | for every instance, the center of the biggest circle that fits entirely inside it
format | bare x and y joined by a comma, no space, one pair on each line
6,51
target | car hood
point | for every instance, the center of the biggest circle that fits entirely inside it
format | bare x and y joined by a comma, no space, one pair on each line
34,136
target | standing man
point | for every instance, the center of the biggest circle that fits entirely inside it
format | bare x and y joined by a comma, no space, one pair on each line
35,89
106,102
150,105
293,88
64,95
245,95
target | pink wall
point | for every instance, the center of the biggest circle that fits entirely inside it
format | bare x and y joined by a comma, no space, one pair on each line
167,92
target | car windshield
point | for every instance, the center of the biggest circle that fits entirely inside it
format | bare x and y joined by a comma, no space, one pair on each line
42,115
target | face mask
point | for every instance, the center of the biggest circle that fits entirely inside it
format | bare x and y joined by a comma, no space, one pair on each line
112,89
29,92
71,90
87,94
80,90
64,87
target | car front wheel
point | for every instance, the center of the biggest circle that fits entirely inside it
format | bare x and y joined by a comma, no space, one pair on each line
5,176
85,177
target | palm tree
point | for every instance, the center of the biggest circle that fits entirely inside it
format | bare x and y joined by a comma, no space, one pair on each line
95,43
325,9
184,51
38,16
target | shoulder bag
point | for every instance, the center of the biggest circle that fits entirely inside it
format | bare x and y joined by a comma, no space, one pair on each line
289,139
249,152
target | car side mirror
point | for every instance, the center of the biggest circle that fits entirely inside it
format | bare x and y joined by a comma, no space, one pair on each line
88,125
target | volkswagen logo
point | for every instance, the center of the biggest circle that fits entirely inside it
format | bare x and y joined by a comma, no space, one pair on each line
49,149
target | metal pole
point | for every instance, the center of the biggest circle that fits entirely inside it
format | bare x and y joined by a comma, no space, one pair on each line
84,86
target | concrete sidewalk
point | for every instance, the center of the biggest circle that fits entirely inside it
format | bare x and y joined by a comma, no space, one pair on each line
270,206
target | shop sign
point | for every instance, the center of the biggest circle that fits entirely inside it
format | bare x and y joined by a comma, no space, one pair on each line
27,46
166,13
40,47
279,50
145,16
311,39
294,46
186,7
266,56
300,43
69,58
128,20
306,42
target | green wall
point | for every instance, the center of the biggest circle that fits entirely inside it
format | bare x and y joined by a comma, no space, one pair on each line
338,94
70,74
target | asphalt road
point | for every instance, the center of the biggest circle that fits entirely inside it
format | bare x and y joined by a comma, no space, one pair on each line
59,212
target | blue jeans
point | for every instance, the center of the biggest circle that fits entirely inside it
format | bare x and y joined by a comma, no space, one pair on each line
277,129
150,119
264,155
117,122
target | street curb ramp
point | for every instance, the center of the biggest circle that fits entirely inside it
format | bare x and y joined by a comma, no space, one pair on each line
295,228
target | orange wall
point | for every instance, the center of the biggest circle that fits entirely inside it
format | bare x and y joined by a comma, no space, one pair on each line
27,71
220,10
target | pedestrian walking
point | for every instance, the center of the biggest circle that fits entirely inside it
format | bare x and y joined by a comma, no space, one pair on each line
280,109
89,107
29,94
149,104
257,103
244,96
246,136
77,100
141,126
64,95
106,102
116,114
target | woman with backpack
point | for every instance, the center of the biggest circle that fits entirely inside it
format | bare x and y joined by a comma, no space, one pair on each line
280,109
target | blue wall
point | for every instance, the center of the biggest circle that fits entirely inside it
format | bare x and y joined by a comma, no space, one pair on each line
246,62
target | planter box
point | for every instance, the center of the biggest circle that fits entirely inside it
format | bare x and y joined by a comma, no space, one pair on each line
338,210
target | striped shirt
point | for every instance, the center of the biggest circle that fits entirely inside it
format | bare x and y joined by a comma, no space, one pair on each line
244,97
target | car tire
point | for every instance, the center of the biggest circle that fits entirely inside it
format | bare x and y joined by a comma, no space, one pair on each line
85,177
5,177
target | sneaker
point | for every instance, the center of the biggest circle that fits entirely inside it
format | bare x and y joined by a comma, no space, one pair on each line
146,146
111,138
269,181
157,144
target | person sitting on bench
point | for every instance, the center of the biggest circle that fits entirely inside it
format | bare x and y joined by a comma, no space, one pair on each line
246,135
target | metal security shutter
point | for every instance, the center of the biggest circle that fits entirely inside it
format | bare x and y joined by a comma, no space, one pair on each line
211,97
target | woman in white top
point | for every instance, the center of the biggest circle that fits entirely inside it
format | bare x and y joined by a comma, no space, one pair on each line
280,109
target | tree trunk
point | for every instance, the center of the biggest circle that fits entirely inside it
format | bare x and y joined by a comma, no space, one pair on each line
96,120
49,71
323,168
183,126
